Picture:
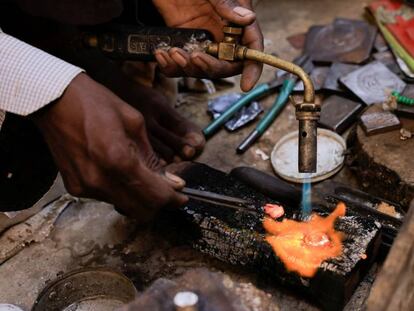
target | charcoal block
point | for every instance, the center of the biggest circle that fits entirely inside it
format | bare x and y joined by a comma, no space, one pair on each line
238,238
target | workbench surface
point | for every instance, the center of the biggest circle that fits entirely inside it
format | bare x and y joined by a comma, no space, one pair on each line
90,233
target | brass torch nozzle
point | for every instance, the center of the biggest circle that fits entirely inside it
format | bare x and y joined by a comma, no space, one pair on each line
307,113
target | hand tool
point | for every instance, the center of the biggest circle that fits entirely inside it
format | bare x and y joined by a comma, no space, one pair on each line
126,43
220,199
139,43
283,97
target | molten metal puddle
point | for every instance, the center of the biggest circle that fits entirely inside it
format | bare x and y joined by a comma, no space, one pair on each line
303,246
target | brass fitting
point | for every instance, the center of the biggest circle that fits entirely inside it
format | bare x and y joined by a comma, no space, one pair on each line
307,113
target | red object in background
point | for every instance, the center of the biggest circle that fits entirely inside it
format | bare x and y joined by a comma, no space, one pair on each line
402,29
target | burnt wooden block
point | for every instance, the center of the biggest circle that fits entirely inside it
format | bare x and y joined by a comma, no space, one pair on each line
238,238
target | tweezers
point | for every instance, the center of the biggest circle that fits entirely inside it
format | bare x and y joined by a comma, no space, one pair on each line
220,199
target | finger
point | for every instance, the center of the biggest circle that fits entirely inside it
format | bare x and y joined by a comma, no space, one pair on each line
137,133
175,142
163,150
189,131
176,182
232,11
167,65
154,190
183,59
146,190
253,39
215,68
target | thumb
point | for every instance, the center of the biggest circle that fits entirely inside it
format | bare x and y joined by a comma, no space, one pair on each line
233,12
174,181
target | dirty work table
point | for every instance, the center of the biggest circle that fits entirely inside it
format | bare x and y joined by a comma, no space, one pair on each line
93,234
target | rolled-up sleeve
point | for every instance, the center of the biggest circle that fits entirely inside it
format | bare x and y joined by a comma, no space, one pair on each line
30,78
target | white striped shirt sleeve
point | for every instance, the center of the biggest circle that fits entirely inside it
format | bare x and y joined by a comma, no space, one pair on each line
30,78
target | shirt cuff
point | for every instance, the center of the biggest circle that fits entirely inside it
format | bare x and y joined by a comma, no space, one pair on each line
30,78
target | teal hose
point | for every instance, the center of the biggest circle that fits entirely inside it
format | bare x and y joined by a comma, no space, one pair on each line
270,116
280,102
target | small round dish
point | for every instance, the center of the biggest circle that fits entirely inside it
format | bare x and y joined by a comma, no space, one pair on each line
331,156
86,289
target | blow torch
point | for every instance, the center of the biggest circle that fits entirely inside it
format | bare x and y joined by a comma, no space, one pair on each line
140,43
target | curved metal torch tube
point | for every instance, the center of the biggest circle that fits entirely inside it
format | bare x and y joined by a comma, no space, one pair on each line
309,93
307,113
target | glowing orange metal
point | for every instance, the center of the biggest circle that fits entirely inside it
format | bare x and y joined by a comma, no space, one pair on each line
303,246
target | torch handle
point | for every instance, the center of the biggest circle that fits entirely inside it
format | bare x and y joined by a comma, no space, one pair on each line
123,42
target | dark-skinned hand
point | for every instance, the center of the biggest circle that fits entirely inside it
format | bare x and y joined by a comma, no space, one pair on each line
100,145
211,15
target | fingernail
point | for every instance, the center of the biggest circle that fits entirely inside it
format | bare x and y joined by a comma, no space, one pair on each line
243,12
161,60
194,139
179,59
174,178
188,151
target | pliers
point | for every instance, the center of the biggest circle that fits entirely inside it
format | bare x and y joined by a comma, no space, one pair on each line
289,82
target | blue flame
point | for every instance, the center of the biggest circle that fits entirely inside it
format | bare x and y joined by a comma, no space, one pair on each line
306,205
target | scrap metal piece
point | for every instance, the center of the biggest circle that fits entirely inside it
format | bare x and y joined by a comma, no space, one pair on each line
373,83
395,64
339,113
375,120
86,289
337,71
388,59
318,76
345,40
380,44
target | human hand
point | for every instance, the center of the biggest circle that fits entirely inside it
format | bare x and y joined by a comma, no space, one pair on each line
211,15
172,136
100,145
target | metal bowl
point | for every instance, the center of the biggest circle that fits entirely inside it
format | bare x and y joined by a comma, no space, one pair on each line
86,289
331,156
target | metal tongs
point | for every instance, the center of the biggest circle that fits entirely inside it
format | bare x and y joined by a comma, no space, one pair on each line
220,199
